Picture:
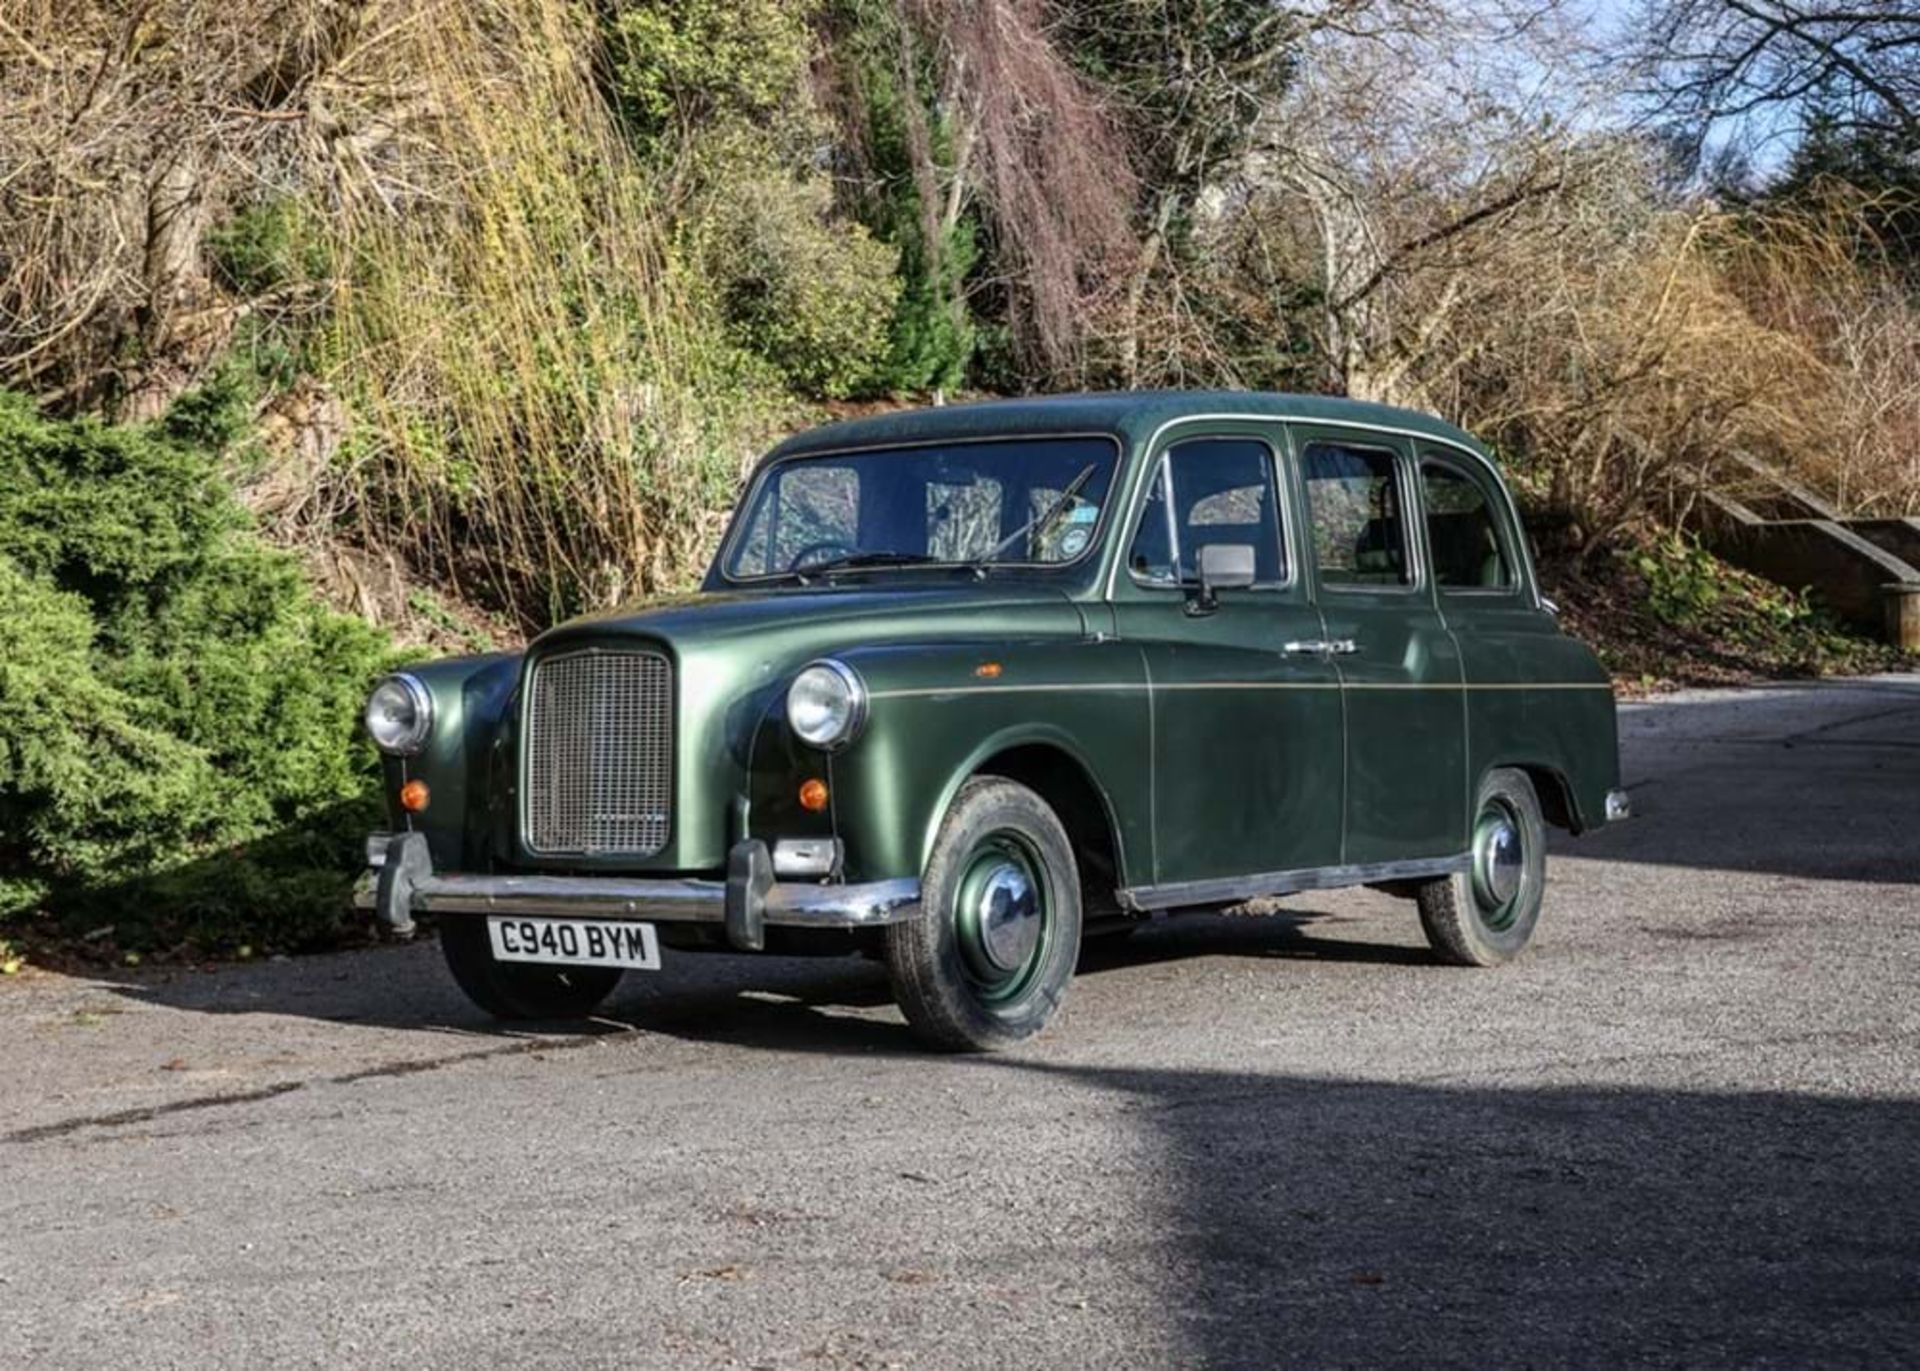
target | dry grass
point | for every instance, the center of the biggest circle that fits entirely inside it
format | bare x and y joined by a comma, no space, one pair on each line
535,404
1820,276
532,387
1621,352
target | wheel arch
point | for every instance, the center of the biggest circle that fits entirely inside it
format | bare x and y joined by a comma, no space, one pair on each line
1555,792
1048,763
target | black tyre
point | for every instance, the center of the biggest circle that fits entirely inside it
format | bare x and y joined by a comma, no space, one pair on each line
1485,915
518,990
987,963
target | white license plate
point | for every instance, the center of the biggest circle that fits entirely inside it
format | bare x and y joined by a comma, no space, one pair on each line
575,942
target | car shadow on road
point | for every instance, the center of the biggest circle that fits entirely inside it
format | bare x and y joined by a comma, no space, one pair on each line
799,1004
1772,782
1337,1222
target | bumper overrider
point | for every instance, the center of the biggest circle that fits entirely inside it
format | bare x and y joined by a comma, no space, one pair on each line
400,881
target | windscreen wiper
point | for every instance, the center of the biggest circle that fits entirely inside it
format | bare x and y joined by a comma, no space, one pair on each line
854,561
1043,521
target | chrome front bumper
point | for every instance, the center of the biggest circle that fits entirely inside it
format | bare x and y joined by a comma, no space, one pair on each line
400,882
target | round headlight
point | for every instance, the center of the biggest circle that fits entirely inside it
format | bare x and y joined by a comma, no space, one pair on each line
400,715
826,704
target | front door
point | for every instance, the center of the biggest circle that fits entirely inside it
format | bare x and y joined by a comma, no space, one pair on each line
1246,734
1399,666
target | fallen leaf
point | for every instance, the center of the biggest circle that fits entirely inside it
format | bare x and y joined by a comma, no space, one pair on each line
176,1064
718,1273
1368,1278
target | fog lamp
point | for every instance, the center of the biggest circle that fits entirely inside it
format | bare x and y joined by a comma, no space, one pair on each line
806,856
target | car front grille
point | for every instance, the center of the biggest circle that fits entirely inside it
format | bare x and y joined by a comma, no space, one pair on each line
599,754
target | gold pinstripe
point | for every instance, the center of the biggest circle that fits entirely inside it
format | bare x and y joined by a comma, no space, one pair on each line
1023,689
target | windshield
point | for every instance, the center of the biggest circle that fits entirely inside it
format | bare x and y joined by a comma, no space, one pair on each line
1022,501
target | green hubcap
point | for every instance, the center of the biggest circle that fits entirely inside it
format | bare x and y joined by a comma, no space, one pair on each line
1001,917
1499,864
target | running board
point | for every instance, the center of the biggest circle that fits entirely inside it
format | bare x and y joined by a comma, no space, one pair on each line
1234,889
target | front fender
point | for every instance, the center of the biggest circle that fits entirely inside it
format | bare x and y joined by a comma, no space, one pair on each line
939,716
471,696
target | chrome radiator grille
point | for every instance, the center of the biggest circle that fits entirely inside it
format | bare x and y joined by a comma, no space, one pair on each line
599,754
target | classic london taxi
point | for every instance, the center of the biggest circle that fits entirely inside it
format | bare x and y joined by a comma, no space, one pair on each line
967,685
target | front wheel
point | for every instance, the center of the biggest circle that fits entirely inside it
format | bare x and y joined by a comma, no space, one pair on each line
987,962
520,990
1486,914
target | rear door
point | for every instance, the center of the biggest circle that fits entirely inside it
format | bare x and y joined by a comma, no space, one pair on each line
1246,734
1400,674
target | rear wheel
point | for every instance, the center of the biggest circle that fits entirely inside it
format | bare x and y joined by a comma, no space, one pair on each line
987,963
518,990
1485,915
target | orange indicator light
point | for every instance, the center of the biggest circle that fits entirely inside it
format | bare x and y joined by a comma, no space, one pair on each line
413,796
986,671
813,794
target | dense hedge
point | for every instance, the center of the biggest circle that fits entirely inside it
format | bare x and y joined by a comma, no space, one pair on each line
179,762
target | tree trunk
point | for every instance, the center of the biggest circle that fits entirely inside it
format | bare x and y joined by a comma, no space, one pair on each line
175,280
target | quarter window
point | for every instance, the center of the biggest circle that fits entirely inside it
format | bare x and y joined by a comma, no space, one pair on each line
1462,531
1210,490
1359,534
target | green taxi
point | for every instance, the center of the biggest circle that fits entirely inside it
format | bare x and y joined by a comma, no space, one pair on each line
965,686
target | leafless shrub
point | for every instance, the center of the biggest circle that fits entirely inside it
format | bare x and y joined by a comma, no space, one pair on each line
1619,372
1474,246
125,125
1818,274
1033,140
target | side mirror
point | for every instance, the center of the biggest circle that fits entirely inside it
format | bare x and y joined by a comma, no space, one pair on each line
1223,566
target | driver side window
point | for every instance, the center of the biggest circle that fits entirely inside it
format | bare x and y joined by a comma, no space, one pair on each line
1209,490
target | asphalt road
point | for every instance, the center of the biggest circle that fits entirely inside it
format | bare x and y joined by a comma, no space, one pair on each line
1684,1130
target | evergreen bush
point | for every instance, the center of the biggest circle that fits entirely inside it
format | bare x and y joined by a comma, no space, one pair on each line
179,756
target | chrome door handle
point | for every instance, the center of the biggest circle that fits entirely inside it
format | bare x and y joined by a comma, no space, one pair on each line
1320,647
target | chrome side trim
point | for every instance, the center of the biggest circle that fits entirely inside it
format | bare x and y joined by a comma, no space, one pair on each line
870,905
1233,889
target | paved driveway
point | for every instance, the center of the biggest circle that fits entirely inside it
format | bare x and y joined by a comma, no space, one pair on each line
1684,1130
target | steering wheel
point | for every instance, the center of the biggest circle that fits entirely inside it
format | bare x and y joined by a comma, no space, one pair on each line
838,546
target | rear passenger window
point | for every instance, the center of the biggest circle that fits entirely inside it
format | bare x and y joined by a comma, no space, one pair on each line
1359,534
1210,490
1462,531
